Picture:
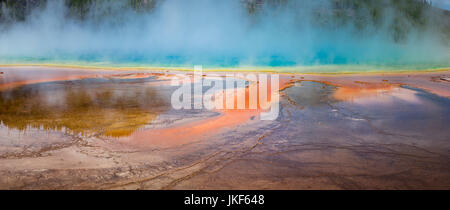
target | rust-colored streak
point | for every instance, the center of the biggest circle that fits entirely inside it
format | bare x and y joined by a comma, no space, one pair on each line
15,77
201,130
349,93
190,132
9,85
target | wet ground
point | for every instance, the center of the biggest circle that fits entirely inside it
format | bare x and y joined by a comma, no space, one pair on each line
77,129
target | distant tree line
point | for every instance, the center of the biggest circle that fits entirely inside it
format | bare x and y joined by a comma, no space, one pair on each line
405,14
19,9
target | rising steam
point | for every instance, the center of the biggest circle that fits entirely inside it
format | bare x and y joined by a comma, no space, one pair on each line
223,33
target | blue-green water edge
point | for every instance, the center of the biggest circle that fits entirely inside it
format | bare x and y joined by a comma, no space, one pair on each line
274,63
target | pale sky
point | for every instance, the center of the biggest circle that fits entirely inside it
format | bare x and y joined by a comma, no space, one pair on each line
445,4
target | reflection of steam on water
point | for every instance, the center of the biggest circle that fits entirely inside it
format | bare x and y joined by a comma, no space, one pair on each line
90,107
224,33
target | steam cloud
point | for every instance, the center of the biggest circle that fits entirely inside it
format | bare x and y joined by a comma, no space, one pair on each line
217,33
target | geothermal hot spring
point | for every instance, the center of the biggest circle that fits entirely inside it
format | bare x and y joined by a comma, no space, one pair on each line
87,102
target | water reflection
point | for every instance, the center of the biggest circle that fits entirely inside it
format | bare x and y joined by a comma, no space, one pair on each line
310,94
107,107
392,110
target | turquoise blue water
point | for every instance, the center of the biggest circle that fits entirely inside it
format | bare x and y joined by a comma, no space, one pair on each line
321,62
